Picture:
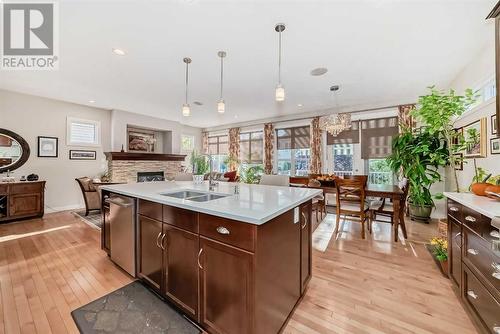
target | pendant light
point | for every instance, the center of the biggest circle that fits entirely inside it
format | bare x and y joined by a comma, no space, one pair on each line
280,91
186,109
221,105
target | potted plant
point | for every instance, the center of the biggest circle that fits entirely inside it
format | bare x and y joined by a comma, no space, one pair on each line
200,166
440,251
250,173
418,155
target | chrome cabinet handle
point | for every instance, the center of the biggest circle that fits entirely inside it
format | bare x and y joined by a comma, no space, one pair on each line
496,266
453,208
472,294
470,219
472,251
496,329
162,239
305,220
495,234
199,254
157,240
222,230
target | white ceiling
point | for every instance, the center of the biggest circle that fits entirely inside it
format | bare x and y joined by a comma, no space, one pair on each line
380,52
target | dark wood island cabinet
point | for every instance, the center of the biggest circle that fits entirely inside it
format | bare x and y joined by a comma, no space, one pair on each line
474,265
226,275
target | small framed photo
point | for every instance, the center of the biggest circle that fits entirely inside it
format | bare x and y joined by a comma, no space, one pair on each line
495,145
494,129
48,147
459,162
82,155
475,136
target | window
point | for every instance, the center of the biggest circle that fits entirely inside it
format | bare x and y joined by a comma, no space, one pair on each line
343,159
187,143
293,154
251,147
379,172
218,148
486,92
82,132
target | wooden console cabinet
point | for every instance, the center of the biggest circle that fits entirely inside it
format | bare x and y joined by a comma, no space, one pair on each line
227,276
20,200
474,267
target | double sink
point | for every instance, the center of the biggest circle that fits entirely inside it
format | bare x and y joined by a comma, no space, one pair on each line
196,196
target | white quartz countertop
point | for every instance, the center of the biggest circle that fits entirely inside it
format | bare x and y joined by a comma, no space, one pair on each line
484,205
255,204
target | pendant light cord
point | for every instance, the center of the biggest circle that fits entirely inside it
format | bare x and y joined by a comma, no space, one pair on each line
187,81
279,59
221,75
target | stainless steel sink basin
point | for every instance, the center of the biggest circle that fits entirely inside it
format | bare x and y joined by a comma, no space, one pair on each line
184,194
207,197
195,196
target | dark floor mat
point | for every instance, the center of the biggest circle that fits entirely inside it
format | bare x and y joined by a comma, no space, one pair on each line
131,309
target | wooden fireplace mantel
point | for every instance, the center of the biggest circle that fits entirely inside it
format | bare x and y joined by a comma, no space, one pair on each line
144,156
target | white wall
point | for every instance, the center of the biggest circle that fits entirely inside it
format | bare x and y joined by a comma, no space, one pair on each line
30,117
476,73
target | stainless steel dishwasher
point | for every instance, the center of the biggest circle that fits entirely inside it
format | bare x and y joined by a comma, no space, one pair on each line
122,231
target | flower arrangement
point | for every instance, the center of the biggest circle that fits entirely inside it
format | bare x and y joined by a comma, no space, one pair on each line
440,248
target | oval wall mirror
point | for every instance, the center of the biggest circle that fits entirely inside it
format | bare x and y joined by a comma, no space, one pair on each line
14,150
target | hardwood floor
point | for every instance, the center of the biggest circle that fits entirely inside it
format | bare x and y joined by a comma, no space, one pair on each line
50,266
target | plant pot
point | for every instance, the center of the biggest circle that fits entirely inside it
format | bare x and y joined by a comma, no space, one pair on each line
444,266
198,179
420,212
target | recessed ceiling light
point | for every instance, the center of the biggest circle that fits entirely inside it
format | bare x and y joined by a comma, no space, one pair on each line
119,52
91,101
300,105
198,103
319,71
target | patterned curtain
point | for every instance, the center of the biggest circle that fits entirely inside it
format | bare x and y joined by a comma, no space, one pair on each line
268,147
315,146
404,116
204,142
234,148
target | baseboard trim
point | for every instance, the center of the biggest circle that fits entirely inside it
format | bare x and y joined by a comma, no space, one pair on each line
49,209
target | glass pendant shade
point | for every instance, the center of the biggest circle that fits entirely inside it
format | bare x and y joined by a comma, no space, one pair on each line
280,93
336,123
186,110
221,106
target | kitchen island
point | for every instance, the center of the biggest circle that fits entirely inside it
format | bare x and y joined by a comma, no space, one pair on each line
234,260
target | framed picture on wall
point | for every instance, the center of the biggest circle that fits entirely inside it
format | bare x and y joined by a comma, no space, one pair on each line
494,129
82,155
495,145
475,137
48,147
141,141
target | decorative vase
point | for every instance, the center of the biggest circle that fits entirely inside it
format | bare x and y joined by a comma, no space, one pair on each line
444,267
198,179
479,188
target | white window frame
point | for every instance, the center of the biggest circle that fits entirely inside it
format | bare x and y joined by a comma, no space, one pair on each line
96,124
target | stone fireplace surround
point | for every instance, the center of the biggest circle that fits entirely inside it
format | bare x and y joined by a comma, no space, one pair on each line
124,166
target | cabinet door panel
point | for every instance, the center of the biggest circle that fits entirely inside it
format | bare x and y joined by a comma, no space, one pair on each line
455,251
150,255
305,245
181,268
227,304
24,204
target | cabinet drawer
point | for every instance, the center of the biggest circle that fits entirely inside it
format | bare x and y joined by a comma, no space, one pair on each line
231,232
481,258
472,219
151,209
182,218
4,189
483,304
28,188
455,209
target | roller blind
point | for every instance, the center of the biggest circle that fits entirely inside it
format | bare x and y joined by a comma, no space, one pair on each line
376,137
251,147
350,136
218,145
293,138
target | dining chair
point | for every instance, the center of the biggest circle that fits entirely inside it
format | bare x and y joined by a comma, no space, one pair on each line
351,196
385,208
275,180
318,202
183,177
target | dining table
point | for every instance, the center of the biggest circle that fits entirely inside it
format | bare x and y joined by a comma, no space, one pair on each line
389,191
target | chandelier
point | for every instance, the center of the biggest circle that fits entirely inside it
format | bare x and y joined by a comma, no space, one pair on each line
336,123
